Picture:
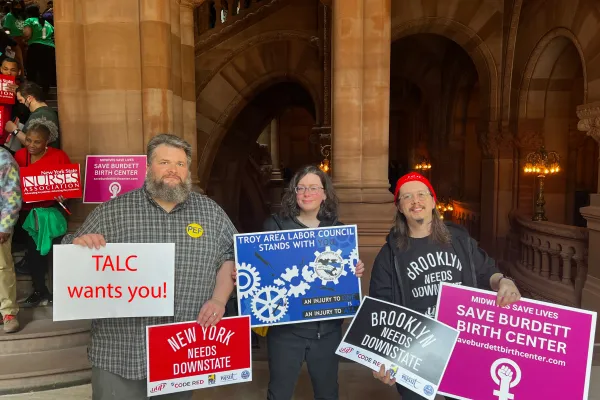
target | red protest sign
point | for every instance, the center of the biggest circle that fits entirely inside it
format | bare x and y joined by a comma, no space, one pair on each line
186,356
49,181
6,96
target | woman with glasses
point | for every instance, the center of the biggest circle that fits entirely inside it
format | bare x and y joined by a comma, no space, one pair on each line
309,202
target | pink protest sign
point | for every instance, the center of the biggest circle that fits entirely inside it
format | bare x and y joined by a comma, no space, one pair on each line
522,351
107,177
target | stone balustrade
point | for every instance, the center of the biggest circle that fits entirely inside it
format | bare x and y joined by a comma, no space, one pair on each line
468,215
548,260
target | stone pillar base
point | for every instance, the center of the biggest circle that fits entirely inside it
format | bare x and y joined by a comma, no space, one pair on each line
276,175
364,192
374,223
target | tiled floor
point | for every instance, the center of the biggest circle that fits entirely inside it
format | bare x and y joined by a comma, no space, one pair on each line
356,383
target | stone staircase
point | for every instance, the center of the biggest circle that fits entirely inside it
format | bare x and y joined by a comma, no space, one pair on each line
43,354
52,98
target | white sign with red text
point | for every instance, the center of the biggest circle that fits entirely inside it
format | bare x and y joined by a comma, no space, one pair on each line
119,280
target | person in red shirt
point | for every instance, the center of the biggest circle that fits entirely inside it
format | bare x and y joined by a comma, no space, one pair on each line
37,151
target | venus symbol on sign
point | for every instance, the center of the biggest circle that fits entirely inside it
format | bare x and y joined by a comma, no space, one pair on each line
505,377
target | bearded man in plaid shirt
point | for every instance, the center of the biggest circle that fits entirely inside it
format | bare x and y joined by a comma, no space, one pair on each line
165,210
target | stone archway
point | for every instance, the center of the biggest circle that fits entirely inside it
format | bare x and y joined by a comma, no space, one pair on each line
473,45
468,37
554,83
253,66
240,179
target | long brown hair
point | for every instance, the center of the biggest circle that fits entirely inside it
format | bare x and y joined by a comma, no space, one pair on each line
439,231
289,203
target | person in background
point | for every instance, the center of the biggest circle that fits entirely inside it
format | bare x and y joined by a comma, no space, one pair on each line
30,94
37,152
41,54
9,48
14,22
419,233
4,9
12,67
10,204
48,14
309,202
16,112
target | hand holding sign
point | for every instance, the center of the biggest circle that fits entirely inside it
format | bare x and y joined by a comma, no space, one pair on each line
211,313
384,376
91,241
507,292
11,87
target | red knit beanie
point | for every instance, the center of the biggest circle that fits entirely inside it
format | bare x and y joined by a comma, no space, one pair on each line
410,177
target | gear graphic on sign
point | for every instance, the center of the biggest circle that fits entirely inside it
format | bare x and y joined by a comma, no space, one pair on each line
329,265
299,289
308,274
270,304
353,259
287,276
252,283
290,273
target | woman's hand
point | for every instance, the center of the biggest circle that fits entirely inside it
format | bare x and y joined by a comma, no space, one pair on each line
234,275
360,269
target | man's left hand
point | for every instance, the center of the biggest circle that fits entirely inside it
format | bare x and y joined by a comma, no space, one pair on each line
507,293
211,313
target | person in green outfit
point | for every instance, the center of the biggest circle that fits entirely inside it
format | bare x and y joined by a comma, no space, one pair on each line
37,151
14,21
40,63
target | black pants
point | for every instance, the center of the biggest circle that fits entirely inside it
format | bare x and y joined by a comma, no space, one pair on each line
410,395
287,353
41,65
36,263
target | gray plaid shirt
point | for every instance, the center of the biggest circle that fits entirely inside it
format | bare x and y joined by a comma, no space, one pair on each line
119,344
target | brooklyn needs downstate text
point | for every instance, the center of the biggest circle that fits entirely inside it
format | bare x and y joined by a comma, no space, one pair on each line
409,329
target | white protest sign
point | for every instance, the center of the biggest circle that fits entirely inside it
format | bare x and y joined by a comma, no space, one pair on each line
116,281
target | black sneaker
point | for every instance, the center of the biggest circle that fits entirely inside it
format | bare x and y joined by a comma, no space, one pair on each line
37,299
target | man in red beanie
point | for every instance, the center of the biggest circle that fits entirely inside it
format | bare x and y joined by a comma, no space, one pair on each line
422,251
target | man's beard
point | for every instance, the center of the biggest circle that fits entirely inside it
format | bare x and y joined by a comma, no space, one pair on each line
158,189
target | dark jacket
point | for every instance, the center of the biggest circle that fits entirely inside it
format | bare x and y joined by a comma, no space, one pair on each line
310,330
387,282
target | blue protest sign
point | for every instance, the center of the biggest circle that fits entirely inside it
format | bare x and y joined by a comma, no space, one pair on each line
297,275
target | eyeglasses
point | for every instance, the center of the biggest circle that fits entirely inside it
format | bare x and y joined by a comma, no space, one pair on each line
410,196
311,190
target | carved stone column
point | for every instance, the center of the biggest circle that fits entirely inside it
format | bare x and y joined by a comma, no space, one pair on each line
115,104
361,79
361,45
589,122
188,81
156,67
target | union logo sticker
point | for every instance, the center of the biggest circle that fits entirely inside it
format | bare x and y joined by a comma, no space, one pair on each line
195,230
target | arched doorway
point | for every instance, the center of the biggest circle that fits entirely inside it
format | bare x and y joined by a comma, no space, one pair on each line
434,113
553,86
240,177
